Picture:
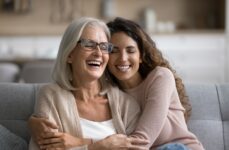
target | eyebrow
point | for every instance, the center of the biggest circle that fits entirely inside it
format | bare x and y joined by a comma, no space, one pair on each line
130,46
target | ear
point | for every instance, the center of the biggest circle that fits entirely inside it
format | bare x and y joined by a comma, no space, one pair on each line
69,59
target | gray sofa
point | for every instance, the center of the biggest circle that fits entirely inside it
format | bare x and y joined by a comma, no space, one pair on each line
209,120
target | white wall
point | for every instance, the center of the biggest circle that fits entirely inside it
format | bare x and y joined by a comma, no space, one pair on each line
196,57
29,47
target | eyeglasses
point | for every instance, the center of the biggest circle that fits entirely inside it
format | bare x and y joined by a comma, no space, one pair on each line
91,45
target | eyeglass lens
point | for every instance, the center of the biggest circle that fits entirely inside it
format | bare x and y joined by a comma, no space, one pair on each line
105,47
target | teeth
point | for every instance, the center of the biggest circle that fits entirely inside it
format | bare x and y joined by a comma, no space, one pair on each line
123,68
94,63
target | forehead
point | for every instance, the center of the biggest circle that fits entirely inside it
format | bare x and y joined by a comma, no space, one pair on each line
121,38
94,32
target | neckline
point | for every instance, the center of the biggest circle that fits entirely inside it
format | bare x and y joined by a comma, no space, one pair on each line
106,121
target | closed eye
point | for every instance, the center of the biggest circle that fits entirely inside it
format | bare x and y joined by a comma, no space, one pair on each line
131,49
115,50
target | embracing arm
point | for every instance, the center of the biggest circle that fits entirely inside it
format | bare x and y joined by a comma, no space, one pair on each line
42,132
41,128
158,95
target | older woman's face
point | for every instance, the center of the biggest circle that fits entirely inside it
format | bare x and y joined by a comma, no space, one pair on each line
89,63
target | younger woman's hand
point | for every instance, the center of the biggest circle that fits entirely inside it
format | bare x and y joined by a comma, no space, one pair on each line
119,142
60,140
39,126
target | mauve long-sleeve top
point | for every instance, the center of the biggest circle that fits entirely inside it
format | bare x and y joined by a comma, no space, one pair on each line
162,120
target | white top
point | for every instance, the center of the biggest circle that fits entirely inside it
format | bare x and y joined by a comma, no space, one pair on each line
97,130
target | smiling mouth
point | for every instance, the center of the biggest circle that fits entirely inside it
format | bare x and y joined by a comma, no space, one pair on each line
94,63
123,68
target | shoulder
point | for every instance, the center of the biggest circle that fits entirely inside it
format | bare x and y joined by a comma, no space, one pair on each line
160,77
51,88
53,95
53,92
161,72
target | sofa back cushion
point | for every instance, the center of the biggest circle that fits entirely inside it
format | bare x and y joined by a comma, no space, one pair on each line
17,104
223,92
209,120
206,119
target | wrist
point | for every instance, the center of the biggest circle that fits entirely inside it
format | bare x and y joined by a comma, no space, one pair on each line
87,141
98,145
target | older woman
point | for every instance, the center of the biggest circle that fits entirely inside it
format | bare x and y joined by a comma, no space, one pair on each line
80,101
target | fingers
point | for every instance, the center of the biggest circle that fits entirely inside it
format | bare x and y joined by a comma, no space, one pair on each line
49,141
137,141
136,144
55,149
50,124
47,135
52,146
135,147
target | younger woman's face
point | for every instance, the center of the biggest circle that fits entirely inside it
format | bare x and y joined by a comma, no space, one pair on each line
125,59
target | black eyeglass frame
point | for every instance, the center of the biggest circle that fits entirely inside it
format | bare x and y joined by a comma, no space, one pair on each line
91,45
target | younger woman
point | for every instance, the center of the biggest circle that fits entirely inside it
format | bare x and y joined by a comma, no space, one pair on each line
138,67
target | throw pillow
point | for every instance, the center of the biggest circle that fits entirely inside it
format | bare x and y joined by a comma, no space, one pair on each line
10,141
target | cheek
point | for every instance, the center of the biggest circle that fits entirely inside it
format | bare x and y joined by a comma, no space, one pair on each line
111,61
137,58
109,65
106,58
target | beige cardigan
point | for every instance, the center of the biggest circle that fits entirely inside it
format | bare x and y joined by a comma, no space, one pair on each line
59,106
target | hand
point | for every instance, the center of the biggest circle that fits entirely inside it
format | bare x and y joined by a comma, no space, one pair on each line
60,140
39,126
119,142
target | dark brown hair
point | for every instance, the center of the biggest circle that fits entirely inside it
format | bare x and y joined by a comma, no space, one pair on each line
151,56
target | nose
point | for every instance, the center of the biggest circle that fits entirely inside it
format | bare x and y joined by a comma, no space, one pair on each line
123,56
98,51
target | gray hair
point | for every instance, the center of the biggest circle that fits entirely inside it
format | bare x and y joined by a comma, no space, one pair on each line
62,73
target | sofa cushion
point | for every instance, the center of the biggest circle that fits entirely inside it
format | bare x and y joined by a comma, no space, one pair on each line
10,141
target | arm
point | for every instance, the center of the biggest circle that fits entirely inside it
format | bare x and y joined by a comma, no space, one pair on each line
156,106
113,142
41,130
127,114
47,139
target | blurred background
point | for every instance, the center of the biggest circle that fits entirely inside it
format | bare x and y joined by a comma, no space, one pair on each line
192,34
